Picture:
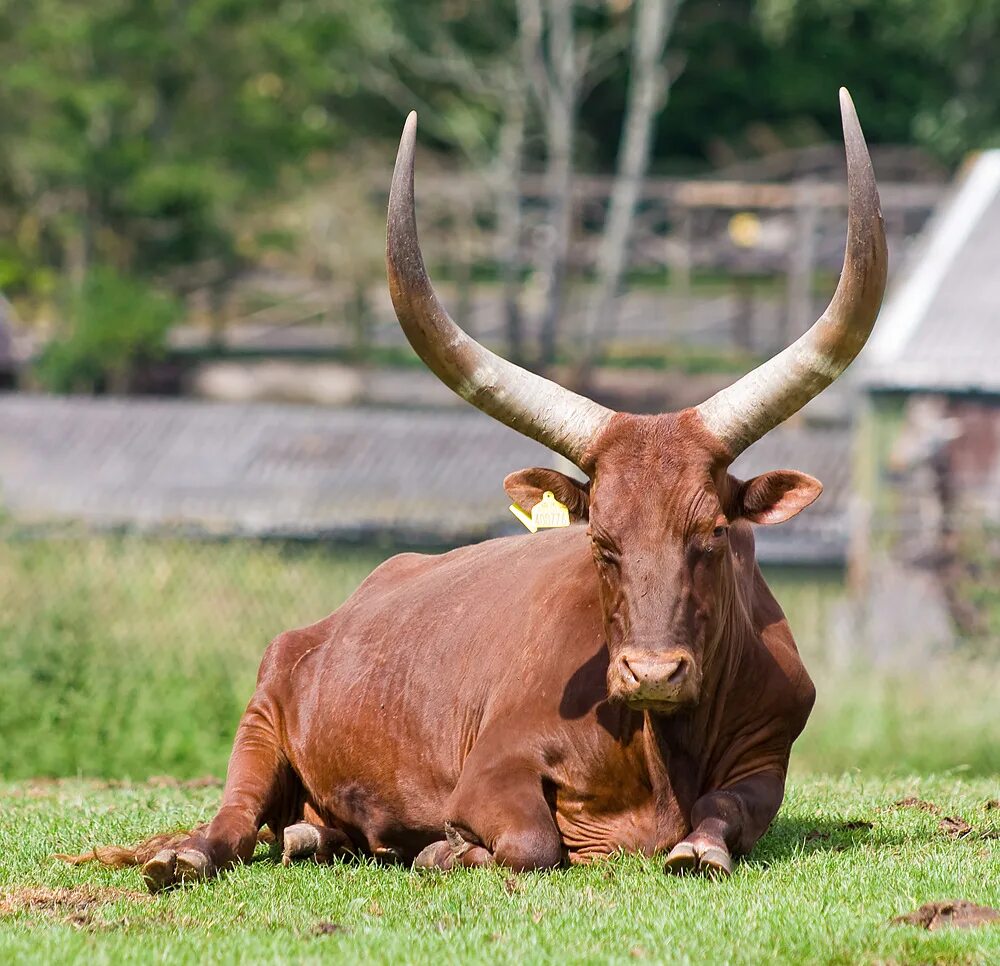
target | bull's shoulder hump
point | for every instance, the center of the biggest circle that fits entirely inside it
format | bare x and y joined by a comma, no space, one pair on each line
554,551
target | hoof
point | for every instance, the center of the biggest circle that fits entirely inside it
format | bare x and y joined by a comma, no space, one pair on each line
688,858
169,868
299,842
158,873
193,865
715,861
682,859
437,855
456,843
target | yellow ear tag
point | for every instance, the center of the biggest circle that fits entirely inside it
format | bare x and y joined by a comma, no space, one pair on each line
548,513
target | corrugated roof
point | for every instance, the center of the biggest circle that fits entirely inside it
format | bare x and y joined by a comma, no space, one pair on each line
299,471
940,328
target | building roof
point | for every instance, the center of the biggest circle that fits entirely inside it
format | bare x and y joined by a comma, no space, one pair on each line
299,471
940,328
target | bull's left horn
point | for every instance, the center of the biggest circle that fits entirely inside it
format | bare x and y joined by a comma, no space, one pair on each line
536,407
742,413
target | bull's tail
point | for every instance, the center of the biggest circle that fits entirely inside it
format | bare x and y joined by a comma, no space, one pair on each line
118,856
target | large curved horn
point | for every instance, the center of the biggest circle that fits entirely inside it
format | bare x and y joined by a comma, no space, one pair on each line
742,413
536,407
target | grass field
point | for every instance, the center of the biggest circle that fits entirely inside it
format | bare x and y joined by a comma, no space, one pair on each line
125,658
818,889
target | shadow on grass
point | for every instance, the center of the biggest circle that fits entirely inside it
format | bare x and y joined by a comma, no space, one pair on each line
788,839
792,838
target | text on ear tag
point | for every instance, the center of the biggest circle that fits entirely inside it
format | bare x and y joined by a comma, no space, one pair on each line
548,513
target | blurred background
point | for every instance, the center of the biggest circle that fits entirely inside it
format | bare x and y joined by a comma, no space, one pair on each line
212,428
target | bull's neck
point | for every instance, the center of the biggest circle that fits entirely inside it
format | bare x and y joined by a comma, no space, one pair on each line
676,740
726,641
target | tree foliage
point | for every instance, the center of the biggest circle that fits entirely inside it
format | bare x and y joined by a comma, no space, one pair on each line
926,69
138,135
114,323
134,131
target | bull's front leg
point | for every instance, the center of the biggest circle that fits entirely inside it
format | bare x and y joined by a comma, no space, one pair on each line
727,822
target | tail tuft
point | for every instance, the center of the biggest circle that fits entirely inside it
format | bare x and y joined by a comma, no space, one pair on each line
117,856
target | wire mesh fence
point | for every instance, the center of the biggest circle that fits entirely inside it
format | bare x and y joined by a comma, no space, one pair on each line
177,590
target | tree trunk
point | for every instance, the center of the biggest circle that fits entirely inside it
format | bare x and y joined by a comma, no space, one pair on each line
647,95
559,187
560,103
508,210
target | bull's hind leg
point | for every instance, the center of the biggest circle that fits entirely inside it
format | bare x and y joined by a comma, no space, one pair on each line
452,851
260,787
497,813
313,839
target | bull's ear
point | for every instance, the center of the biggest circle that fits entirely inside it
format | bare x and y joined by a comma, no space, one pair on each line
525,488
774,497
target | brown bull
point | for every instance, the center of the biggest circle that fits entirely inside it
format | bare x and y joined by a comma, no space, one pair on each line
627,683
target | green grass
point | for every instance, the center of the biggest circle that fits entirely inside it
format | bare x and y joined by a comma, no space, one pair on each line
130,657
126,657
812,892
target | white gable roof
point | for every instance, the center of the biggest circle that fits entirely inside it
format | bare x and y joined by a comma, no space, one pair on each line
940,327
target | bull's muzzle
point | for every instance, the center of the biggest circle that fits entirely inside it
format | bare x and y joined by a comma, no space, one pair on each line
651,680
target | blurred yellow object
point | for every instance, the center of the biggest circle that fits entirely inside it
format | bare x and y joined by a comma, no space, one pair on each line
744,229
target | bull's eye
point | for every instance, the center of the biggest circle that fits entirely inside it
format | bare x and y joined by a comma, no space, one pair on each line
603,552
606,555
716,542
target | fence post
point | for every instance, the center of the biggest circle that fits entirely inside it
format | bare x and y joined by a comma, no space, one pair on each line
801,262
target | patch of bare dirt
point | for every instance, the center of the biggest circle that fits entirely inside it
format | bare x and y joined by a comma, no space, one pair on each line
957,913
168,781
46,787
36,788
75,906
328,929
917,803
954,826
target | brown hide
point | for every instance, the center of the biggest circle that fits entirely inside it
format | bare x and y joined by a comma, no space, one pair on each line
628,683
478,691
410,705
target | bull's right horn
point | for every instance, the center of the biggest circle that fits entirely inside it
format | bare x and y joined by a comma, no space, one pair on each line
536,407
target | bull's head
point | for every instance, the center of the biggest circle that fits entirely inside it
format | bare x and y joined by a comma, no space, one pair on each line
667,522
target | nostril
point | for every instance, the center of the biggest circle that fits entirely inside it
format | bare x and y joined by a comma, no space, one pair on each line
677,671
627,673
